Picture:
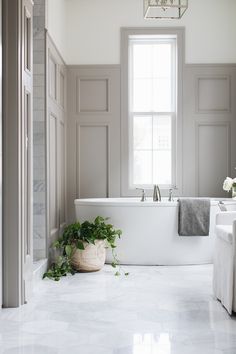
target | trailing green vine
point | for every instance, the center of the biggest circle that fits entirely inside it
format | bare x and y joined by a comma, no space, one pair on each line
116,263
59,269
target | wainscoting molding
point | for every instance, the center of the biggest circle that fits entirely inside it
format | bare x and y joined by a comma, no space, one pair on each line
209,128
92,179
212,157
93,133
92,95
213,94
56,142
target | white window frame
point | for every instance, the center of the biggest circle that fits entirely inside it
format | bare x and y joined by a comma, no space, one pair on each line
127,189
172,113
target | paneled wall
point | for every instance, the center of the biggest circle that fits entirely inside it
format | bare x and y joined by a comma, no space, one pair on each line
56,141
93,133
49,127
209,129
39,132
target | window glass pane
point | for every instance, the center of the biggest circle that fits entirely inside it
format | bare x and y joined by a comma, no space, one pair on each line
142,130
142,95
162,133
162,167
162,95
162,60
142,167
142,61
152,77
162,149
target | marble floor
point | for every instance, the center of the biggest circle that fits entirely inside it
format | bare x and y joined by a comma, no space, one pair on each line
155,310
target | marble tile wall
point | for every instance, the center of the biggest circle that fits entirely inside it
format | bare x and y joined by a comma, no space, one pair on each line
39,134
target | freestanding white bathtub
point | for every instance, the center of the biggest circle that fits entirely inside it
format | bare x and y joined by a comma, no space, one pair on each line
150,231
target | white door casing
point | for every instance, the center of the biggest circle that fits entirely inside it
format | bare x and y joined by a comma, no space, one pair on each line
17,152
27,109
0,153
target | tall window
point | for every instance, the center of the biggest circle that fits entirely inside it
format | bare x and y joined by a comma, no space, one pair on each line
152,110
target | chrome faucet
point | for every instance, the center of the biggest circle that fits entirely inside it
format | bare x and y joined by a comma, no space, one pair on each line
143,197
170,199
156,193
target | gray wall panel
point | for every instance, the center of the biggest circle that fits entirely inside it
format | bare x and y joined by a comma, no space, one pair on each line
212,158
93,133
209,114
56,142
92,164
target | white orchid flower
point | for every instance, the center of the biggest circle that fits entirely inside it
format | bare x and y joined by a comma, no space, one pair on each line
228,183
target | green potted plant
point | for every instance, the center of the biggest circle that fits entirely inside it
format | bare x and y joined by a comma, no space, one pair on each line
83,248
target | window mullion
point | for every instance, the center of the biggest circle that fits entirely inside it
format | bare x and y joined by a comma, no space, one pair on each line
152,113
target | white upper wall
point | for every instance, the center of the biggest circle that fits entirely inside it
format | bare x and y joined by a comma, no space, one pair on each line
93,29
56,23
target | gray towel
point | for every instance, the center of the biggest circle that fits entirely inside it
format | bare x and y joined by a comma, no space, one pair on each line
194,217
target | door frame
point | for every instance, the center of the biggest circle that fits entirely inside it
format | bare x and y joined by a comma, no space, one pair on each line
14,145
1,154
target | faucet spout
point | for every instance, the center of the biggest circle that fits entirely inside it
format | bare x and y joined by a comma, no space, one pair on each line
156,193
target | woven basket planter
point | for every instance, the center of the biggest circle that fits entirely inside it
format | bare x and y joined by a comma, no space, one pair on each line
91,259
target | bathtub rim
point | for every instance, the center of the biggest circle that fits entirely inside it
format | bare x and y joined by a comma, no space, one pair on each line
135,202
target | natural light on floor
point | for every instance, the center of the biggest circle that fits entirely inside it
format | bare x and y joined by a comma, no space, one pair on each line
150,344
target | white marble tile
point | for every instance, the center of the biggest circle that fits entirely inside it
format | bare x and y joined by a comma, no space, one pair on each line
31,349
86,349
155,310
43,327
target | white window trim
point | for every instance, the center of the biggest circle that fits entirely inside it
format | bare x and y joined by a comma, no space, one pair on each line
126,129
172,113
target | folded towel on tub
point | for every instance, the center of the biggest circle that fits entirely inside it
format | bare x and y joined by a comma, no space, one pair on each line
194,217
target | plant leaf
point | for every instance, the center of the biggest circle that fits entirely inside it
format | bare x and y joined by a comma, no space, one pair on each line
80,245
68,250
56,244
